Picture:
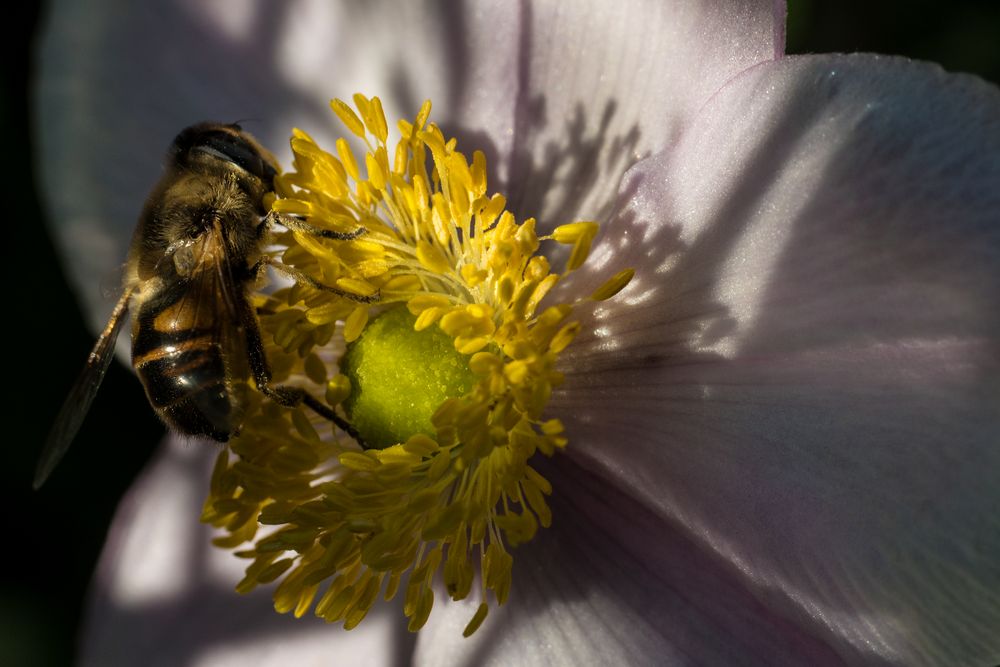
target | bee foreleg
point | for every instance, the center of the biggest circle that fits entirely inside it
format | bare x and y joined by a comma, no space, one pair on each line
300,277
299,225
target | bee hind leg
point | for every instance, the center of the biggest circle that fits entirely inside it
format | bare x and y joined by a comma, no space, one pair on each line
284,395
291,397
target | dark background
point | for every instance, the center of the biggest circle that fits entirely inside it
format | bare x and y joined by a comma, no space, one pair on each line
53,537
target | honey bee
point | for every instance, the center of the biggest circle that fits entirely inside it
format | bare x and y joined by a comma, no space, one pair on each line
196,250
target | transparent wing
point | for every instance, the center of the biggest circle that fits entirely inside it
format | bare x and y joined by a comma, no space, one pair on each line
212,298
74,409
204,325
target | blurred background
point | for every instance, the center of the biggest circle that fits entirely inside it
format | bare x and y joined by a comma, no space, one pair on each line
53,537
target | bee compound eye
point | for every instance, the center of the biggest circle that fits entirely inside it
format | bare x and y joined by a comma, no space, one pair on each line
225,143
233,148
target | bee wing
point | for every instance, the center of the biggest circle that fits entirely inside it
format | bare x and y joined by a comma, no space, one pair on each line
226,282
213,295
209,315
74,409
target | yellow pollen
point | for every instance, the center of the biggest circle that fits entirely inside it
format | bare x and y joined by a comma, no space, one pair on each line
453,490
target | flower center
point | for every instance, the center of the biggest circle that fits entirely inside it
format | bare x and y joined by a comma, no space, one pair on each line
399,377
448,394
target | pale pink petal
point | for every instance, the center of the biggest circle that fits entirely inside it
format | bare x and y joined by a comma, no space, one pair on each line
563,98
601,84
164,596
613,583
118,81
804,375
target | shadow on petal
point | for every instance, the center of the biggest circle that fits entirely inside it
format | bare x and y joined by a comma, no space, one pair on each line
613,582
804,374
165,596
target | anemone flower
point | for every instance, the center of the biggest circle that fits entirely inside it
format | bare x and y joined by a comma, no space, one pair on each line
782,434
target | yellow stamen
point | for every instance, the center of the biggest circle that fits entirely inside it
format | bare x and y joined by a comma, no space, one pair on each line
453,489
614,285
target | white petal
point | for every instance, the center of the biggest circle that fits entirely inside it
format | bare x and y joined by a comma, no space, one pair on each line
804,373
612,583
601,84
163,595
563,99
118,81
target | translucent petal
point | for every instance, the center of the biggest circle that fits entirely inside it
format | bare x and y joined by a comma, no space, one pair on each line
117,82
614,583
803,372
163,595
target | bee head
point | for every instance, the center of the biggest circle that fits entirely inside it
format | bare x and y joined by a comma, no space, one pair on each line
228,143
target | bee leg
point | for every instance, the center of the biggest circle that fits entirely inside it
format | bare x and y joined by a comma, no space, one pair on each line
293,396
283,395
300,277
299,225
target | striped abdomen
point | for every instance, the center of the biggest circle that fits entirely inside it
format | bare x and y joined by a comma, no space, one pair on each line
189,352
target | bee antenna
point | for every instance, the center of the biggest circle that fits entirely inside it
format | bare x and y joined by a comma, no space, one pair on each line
238,124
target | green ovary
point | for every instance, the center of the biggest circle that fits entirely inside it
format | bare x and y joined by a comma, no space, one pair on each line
399,378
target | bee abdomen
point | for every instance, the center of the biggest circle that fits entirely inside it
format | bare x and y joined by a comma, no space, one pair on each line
186,382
